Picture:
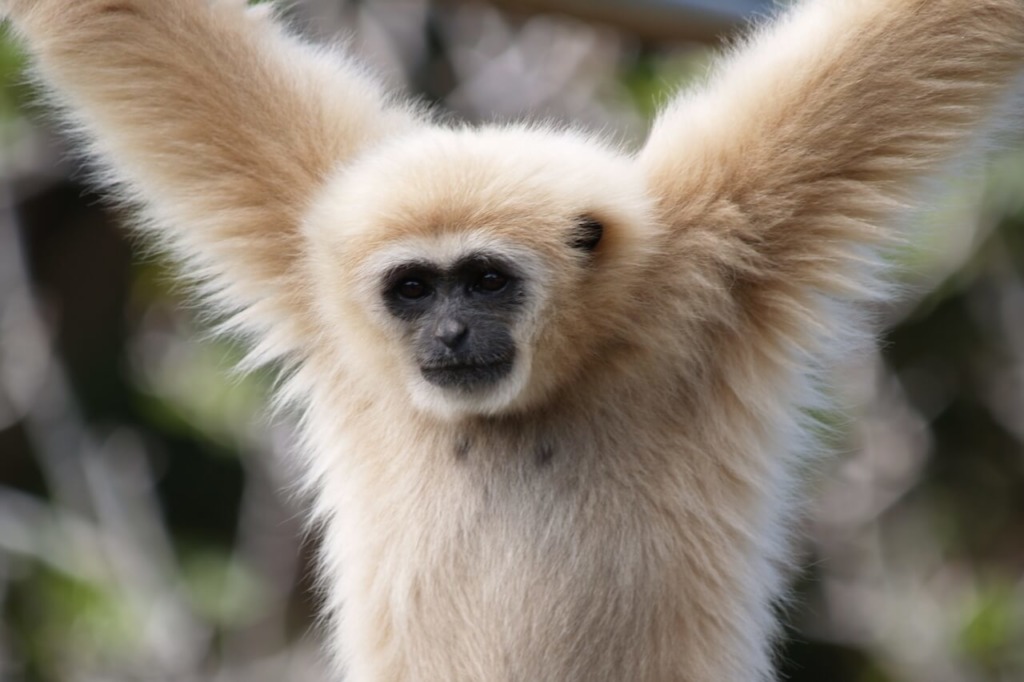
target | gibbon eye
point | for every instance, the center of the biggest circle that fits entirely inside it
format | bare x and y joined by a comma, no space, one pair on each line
589,231
492,281
412,289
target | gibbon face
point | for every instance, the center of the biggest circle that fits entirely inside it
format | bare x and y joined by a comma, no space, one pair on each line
459,317
481,269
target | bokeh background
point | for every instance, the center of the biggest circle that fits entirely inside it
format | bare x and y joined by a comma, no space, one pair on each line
149,524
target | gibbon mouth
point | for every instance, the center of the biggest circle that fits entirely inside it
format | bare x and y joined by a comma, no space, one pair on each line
466,375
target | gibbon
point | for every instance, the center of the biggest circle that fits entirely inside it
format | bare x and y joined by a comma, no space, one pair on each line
555,393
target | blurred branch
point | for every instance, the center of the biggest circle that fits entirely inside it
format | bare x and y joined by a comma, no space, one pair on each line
102,525
704,21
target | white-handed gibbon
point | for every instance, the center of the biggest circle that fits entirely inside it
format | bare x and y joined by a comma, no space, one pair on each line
555,393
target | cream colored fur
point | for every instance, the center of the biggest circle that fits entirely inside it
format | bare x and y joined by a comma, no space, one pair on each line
618,509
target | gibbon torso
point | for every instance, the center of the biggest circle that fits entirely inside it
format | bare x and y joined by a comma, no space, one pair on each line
598,537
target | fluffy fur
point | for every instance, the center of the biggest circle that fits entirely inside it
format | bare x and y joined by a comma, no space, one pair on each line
617,510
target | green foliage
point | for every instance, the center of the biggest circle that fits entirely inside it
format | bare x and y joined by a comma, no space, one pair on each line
194,391
66,620
12,64
993,626
13,94
224,591
653,78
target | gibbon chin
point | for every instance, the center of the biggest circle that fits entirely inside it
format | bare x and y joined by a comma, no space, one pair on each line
554,391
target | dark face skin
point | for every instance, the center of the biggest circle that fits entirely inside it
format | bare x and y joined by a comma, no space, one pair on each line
459,319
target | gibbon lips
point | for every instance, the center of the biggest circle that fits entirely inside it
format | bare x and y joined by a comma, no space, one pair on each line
466,375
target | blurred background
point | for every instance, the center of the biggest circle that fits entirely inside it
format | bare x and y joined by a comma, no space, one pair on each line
149,525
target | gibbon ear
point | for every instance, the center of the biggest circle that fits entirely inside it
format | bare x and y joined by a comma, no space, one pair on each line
588,233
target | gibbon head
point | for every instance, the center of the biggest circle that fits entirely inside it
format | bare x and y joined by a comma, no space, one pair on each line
479,270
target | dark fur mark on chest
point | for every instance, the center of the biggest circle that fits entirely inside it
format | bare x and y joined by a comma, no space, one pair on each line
462,447
544,453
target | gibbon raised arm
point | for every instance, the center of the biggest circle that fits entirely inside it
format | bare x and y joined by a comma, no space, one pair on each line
808,142
218,123
555,394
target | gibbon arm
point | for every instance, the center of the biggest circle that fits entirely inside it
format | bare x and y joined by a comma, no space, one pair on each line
782,177
217,122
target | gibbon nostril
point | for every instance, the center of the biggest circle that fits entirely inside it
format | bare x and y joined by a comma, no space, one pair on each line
451,333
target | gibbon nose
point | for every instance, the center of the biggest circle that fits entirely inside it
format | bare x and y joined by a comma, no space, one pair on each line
452,333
